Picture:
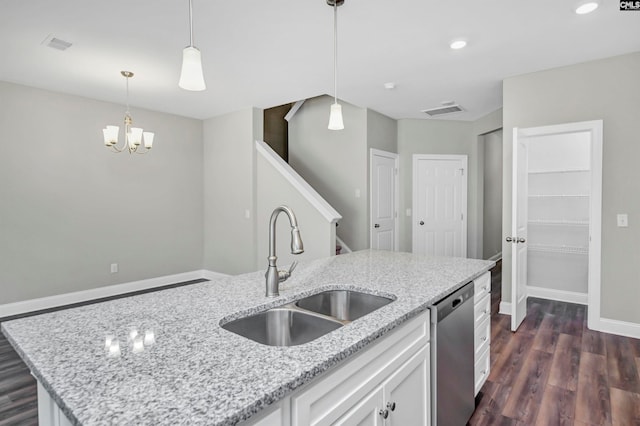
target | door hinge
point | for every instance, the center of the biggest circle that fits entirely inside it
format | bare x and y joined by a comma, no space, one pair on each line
461,216
461,172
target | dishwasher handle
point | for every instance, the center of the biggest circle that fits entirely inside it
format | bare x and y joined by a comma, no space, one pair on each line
452,302
457,302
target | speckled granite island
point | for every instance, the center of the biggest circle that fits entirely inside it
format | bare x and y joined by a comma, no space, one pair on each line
190,370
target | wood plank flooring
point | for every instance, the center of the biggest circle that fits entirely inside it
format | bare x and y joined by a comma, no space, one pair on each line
555,371
552,371
18,392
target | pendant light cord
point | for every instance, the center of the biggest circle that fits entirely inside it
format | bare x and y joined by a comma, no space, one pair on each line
127,95
190,23
335,51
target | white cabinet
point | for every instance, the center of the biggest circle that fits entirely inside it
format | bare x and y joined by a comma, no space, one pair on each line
394,370
400,400
482,329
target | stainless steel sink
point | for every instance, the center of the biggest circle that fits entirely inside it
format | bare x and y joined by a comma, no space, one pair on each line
282,326
306,319
344,305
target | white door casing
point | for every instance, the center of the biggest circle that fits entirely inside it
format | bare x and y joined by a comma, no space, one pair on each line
518,238
595,130
440,205
384,200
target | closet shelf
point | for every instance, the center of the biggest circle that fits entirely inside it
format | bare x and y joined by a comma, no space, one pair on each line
548,172
559,249
559,222
559,196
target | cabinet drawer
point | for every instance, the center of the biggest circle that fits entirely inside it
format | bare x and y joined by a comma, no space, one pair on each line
482,310
482,338
482,369
482,286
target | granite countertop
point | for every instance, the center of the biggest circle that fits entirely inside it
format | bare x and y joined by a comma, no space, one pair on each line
198,373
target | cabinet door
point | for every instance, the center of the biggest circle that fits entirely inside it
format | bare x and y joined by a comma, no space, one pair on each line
407,392
366,412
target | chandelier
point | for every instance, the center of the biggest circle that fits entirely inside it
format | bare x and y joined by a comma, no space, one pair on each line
134,137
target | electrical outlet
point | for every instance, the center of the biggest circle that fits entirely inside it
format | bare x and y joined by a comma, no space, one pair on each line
114,268
623,220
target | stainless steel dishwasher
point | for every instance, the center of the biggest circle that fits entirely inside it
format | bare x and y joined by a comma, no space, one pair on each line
452,360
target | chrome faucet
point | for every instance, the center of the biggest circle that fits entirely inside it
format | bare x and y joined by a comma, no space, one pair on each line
273,276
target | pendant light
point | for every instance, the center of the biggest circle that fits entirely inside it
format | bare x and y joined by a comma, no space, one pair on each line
191,77
335,117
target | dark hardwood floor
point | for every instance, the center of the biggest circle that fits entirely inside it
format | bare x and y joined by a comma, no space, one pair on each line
555,371
18,393
552,371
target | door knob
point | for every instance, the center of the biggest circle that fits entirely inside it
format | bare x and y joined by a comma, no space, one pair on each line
422,222
520,240
509,239
377,225
384,413
391,406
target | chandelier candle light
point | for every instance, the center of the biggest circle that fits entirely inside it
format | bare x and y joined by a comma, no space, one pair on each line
335,117
133,136
191,77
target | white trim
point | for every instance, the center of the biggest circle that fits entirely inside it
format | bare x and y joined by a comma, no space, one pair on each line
306,190
559,295
595,127
505,308
345,247
621,328
48,302
414,202
293,110
396,206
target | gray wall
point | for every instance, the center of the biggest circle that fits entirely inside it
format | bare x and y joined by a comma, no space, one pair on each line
492,208
606,89
318,235
229,191
436,137
335,163
69,208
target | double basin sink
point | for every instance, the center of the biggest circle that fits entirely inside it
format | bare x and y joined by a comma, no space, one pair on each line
306,319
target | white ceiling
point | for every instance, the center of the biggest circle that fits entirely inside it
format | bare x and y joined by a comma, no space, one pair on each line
265,53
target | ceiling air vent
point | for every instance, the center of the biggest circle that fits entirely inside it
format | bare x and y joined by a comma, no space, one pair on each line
56,43
445,109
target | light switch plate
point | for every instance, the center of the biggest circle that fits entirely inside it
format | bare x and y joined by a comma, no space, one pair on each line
623,220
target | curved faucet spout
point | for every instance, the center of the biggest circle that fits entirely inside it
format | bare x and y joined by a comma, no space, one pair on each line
273,276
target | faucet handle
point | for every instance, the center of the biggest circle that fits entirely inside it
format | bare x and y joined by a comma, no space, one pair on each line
284,274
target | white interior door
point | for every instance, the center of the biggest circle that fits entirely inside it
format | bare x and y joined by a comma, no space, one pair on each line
440,205
384,200
518,238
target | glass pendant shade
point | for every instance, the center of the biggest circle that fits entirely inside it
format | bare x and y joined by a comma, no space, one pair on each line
335,118
110,135
148,139
191,77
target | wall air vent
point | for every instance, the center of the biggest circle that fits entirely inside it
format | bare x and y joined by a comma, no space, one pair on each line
445,109
56,43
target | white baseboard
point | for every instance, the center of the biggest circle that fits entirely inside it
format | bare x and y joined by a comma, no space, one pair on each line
505,308
559,295
621,328
25,306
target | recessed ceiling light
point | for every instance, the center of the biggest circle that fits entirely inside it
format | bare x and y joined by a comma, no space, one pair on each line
586,8
390,85
458,44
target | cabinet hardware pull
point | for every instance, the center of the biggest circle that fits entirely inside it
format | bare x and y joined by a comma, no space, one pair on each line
384,413
391,406
422,222
484,339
